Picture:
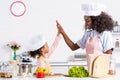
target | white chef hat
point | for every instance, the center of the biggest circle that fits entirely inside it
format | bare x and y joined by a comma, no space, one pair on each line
36,42
93,9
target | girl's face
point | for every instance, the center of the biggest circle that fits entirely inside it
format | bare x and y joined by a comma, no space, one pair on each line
45,49
88,22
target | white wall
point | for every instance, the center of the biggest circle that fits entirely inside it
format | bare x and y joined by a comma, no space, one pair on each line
40,18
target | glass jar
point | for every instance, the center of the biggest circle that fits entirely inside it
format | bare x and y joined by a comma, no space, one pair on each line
5,70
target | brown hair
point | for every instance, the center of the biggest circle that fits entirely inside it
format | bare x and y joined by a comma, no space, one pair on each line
102,22
35,53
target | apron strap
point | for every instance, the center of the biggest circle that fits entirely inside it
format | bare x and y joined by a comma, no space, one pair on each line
48,68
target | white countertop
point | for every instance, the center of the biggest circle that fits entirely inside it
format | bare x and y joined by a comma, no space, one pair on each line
60,78
116,77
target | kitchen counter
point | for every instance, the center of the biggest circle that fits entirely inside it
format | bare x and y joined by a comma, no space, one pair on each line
115,77
60,78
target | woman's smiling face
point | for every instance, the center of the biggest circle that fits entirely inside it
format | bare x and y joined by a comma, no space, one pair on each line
88,22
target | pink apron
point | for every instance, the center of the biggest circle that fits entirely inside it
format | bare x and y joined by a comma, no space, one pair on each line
92,46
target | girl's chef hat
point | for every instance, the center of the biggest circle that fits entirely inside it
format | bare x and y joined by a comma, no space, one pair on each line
36,42
93,9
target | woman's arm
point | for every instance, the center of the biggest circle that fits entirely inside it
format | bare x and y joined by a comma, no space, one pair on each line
69,42
112,64
109,51
108,45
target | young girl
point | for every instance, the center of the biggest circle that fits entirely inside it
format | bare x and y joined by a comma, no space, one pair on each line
39,48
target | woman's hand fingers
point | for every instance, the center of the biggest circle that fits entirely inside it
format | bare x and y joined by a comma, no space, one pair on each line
59,27
57,23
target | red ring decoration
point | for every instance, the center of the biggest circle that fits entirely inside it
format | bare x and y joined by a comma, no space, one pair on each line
17,15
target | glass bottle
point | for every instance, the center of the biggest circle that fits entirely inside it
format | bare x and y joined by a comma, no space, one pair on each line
117,43
116,27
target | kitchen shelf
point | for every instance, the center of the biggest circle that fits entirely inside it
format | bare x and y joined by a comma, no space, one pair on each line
117,49
59,63
72,63
69,63
115,33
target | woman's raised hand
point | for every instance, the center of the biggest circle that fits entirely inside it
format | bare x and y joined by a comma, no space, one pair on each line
59,27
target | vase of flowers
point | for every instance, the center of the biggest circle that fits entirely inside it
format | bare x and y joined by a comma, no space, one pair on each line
14,46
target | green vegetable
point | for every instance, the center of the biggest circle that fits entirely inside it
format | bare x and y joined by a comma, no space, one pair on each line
80,72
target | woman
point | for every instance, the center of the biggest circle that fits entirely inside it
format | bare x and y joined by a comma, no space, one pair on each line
99,26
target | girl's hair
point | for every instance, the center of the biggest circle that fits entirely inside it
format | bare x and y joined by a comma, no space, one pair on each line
35,53
102,22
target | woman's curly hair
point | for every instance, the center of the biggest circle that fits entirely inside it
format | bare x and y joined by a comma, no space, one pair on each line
102,22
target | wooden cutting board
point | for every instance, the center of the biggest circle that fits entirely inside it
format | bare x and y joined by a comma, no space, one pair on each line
99,65
54,75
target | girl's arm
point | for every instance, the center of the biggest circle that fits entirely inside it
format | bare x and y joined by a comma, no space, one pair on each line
54,45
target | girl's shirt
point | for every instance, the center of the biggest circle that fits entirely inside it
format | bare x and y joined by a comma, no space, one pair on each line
105,40
45,63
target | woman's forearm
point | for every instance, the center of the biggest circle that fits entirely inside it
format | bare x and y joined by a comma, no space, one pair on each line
69,42
66,38
109,51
